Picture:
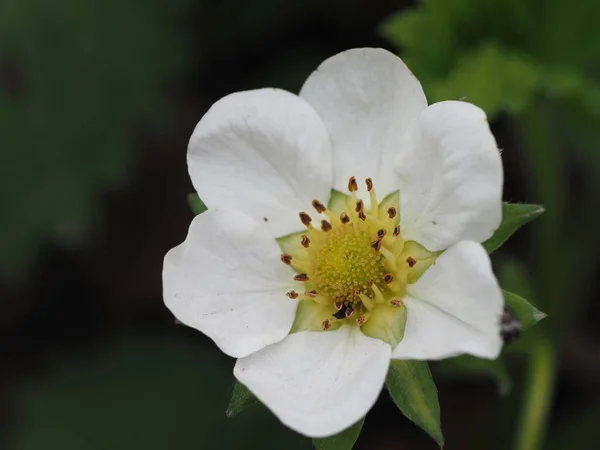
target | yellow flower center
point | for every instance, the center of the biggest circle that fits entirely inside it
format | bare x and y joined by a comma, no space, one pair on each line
354,268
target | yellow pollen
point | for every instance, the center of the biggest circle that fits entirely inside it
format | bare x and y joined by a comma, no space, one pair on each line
346,263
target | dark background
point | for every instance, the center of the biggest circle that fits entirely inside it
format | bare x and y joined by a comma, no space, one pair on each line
97,102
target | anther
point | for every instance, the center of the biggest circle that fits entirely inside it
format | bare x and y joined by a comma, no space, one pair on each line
305,241
388,278
381,233
397,230
292,294
311,294
362,216
396,302
369,184
352,184
411,261
344,217
391,212
359,206
325,226
286,259
301,277
326,325
370,283
376,244
320,207
338,305
349,311
361,319
305,219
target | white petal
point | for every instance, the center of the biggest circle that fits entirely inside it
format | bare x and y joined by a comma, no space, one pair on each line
367,98
318,383
450,177
264,152
454,308
227,281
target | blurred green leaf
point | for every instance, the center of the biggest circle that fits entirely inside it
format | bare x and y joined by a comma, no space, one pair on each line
527,314
344,440
515,277
150,393
196,205
412,388
74,107
241,398
492,78
514,216
467,366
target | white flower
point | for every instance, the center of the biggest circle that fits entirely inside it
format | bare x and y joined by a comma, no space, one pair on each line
404,278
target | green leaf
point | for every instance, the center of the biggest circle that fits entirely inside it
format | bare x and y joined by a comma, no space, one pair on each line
241,398
467,366
196,205
527,314
344,440
514,216
412,388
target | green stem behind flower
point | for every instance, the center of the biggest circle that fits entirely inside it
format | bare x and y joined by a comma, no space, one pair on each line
538,394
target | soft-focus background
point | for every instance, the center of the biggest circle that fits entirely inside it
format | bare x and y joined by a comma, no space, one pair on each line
97,101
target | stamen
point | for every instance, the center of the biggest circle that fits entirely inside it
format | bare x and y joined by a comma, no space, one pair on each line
389,258
381,233
292,294
359,206
376,244
411,261
352,184
366,300
286,259
301,277
349,311
396,302
391,212
326,325
362,216
338,305
325,226
388,278
305,219
373,196
311,294
344,217
377,292
320,207
397,230
305,241
361,319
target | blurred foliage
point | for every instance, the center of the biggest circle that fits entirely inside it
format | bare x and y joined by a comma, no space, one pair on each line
142,392
76,78
500,54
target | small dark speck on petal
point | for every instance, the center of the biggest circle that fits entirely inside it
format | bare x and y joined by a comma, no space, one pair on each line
265,219
434,222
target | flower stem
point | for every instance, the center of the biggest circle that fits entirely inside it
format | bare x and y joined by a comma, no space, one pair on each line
538,394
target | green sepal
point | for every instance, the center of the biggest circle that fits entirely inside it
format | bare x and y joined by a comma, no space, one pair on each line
310,316
527,314
196,205
390,201
467,366
338,202
412,388
344,440
241,398
514,216
386,323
